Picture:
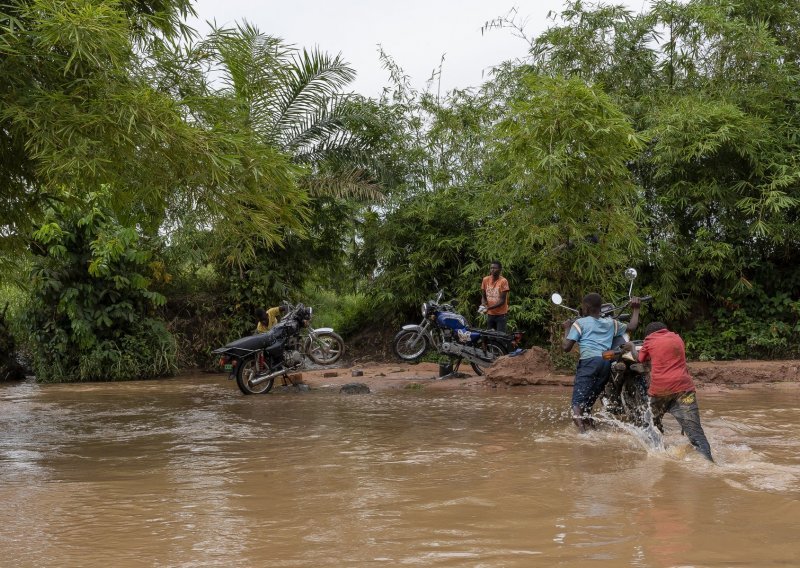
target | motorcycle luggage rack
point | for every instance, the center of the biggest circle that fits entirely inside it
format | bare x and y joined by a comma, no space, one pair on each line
493,332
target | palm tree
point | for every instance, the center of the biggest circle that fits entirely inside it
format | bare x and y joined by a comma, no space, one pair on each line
294,100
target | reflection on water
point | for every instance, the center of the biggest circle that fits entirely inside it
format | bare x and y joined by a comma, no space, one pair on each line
188,472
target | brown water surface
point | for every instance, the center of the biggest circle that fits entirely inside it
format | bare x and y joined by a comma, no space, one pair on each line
189,472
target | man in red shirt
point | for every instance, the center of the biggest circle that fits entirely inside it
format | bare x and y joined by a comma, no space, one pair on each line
494,297
671,387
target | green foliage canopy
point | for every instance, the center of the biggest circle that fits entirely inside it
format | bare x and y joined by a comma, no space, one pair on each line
91,308
92,95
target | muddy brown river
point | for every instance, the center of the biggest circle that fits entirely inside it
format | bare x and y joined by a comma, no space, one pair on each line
189,472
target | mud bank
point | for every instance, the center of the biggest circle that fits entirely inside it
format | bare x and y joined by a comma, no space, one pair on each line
532,369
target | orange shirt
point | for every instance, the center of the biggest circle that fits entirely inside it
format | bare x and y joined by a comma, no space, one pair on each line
493,290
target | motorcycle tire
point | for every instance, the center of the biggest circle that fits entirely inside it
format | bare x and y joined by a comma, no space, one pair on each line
247,371
410,345
635,402
493,347
325,349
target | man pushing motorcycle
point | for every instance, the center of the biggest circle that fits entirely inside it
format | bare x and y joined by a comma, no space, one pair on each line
594,334
671,387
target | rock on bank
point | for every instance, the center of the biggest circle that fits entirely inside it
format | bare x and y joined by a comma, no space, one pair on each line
533,367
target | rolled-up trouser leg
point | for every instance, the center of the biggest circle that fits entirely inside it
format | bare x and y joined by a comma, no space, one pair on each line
590,378
658,407
577,418
687,413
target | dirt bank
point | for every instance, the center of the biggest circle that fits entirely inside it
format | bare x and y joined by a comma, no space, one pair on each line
532,368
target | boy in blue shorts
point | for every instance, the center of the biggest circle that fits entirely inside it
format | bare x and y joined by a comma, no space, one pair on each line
593,334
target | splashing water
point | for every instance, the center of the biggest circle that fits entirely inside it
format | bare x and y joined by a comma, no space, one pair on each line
648,435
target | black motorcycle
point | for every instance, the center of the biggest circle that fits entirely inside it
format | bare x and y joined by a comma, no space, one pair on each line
625,393
446,331
257,360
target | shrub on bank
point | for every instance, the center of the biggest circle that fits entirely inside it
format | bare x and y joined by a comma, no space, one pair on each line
90,314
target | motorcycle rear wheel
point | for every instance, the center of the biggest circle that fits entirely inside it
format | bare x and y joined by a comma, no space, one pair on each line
493,348
247,371
410,345
325,348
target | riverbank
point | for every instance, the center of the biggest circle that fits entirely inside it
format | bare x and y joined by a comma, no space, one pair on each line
532,369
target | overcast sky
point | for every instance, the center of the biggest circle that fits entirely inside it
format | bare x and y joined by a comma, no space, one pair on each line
415,33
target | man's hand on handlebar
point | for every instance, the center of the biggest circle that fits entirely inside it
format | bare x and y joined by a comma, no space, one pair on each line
635,302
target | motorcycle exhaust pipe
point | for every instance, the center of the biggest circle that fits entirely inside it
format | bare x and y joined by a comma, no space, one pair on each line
264,378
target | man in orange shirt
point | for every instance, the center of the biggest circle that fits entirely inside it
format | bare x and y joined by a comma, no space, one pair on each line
494,297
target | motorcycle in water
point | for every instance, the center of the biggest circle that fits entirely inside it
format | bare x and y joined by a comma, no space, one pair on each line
257,360
625,394
446,331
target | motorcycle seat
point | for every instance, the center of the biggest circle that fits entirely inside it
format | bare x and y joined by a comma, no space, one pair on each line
251,342
491,333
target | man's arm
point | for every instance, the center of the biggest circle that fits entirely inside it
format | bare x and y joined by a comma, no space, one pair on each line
503,296
644,353
504,289
635,305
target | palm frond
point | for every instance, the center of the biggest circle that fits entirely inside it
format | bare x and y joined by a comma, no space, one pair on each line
346,185
314,79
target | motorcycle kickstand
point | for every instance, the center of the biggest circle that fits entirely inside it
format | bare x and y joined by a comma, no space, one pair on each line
453,374
458,374
453,371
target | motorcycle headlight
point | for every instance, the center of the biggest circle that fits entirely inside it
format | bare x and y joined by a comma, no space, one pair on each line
424,309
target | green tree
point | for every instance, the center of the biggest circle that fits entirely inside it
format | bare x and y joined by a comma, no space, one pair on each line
709,85
93,95
293,100
91,310
431,148
562,201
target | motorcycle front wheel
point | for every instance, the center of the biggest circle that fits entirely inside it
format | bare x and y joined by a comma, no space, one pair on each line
324,348
493,348
247,372
635,401
410,344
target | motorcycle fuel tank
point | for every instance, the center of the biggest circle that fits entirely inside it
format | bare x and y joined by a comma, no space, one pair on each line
451,320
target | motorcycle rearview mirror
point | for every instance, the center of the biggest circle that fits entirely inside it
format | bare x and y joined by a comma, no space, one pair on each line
631,275
558,300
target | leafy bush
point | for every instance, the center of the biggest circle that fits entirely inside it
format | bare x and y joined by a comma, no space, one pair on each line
90,312
759,327
346,313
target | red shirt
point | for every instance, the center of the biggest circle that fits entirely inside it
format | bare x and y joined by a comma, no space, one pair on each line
668,371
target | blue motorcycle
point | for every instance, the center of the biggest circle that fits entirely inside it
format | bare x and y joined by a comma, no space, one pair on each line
447,332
